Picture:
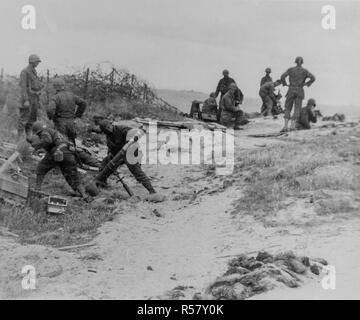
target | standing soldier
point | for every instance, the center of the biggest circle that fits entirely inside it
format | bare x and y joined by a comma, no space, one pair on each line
30,86
295,95
58,154
223,87
64,107
266,78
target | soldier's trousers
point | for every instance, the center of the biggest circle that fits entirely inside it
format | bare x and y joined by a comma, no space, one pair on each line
267,106
295,99
237,113
68,168
66,127
28,115
137,172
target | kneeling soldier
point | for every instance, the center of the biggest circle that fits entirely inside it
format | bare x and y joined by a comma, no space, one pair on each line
307,115
58,154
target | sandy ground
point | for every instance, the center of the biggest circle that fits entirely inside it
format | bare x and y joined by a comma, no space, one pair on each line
187,240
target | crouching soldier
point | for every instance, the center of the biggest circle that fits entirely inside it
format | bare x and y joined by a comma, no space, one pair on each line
307,115
117,137
230,104
63,109
267,94
58,154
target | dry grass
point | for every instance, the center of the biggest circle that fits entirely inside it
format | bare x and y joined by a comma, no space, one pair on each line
292,170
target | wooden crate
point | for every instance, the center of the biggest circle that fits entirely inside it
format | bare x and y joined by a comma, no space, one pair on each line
15,184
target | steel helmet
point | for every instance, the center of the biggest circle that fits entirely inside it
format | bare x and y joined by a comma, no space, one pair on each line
233,86
105,125
59,84
33,58
311,102
37,127
135,132
299,60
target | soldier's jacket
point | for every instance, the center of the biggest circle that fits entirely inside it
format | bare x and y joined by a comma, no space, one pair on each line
267,89
228,101
117,139
210,104
297,78
223,85
30,83
306,116
49,139
265,79
66,105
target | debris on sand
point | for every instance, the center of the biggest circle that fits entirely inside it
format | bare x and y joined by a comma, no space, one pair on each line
248,276
339,117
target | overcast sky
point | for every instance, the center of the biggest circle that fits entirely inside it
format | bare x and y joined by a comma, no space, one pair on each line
185,44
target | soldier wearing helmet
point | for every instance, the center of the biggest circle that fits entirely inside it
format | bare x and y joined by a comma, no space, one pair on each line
116,138
228,103
58,154
223,87
267,95
299,77
266,78
64,107
30,86
307,115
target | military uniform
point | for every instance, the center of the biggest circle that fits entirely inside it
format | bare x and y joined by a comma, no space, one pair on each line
115,142
265,79
268,98
228,103
64,108
52,141
30,86
295,95
223,88
306,116
210,105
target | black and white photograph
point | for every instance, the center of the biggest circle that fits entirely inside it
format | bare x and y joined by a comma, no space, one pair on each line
179,153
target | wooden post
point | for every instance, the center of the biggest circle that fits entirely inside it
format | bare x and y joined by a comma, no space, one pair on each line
132,86
145,93
112,79
47,85
86,82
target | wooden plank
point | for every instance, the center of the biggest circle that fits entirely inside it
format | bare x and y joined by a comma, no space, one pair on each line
9,161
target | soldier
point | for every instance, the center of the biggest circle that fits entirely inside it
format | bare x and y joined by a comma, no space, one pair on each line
223,87
295,95
30,86
116,137
64,107
58,154
266,78
210,104
307,115
268,96
228,103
